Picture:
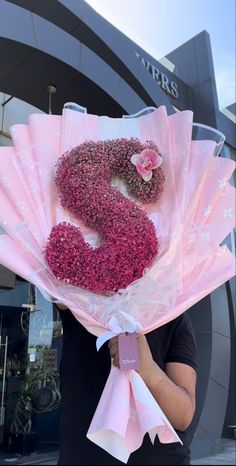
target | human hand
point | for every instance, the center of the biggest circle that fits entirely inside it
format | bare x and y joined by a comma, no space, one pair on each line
146,360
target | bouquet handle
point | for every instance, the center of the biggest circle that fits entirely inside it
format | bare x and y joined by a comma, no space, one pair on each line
125,413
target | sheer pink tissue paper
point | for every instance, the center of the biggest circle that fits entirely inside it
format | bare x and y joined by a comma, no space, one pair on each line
192,218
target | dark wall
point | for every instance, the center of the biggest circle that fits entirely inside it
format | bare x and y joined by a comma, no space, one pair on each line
194,65
230,417
212,319
15,297
7,278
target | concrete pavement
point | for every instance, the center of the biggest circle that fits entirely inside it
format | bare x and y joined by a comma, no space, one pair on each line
226,456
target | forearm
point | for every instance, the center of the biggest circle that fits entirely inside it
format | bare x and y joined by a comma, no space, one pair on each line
61,307
174,400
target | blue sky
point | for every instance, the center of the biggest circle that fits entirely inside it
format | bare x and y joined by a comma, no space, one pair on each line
160,26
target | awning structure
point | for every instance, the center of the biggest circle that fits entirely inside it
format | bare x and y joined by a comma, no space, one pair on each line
97,66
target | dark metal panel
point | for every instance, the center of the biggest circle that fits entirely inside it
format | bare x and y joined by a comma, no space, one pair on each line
15,297
91,65
211,419
156,95
201,389
201,318
119,51
194,65
79,6
32,71
30,80
7,278
49,39
220,366
185,64
113,46
216,347
200,315
230,417
227,127
232,108
82,90
27,4
55,12
220,319
16,23
164,76
204,356
92,36
12,55
112,43
203,444
128,99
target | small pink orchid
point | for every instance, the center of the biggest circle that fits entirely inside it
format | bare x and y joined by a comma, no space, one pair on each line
145,162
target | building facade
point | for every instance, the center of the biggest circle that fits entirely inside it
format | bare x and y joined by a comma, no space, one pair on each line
67,45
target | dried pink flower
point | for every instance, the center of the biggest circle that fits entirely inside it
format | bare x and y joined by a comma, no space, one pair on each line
145,162
129,242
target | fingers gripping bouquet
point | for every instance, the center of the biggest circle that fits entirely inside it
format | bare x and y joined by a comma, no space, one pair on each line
122,220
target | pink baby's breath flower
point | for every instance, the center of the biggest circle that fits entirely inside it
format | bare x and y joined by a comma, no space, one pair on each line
145,162
128,237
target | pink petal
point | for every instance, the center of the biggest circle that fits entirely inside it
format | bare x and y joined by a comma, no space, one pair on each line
135,158
151,155
147,176
159,162
141,169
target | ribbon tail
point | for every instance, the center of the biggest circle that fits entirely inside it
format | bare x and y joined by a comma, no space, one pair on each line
103,338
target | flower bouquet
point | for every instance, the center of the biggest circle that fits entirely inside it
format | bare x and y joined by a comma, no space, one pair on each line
122,220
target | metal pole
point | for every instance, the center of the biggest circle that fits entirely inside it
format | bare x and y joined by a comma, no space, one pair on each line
51,90
8,100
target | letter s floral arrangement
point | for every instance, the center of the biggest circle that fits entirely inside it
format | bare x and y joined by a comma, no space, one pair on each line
122,220
129,242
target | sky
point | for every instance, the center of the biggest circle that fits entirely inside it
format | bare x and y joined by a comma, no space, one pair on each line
160,26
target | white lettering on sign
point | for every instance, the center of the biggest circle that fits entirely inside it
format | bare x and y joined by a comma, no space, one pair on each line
170,87
128,361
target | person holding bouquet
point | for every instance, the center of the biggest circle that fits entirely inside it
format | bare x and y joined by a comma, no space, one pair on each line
168,368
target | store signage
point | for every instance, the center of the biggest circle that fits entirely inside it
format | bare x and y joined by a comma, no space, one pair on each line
169,86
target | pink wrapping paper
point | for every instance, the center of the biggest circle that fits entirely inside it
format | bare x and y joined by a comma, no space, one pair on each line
126,411
192,218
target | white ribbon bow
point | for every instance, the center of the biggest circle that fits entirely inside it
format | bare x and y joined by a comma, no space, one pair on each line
119,323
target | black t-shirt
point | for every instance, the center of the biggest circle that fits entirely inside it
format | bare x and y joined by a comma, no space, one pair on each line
84,372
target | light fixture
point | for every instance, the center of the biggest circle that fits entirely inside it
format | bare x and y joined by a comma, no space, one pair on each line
51,91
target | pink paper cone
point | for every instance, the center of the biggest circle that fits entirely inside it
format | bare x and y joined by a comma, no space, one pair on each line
192,218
